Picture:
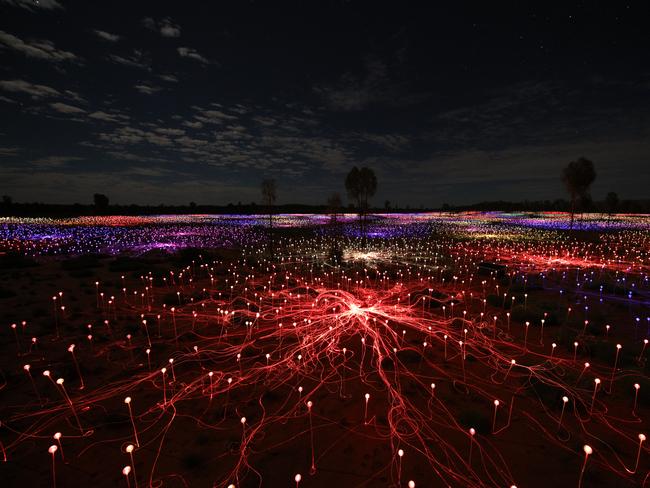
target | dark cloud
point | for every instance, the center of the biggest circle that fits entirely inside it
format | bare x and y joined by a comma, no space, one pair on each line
188,52
376,84
169,29
8,151
56,161
34,4
108,117
355,92
137,59
64,108
147,89
36,48
107,36
33,89
169,78
165,27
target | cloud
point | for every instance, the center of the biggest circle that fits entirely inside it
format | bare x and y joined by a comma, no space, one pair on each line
188,52
7,100
106,117
34,4
391,142
170,78
166,27
193,125
137,60
64,108
169,132
373,85
212,116
133,135
537,112
517,172
8,151
147,89
265,121
107,36
283,148
22,86
56,161
74,96
355,92
149,23
38,49
123,136
169,29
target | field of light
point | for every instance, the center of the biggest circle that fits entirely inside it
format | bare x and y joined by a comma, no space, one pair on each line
475,349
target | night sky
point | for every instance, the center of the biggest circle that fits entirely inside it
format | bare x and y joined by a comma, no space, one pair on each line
156,102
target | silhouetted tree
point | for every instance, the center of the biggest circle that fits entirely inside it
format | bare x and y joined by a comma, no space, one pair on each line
361,184
269,196
387,205
193,205
334,205
101,202
577,177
